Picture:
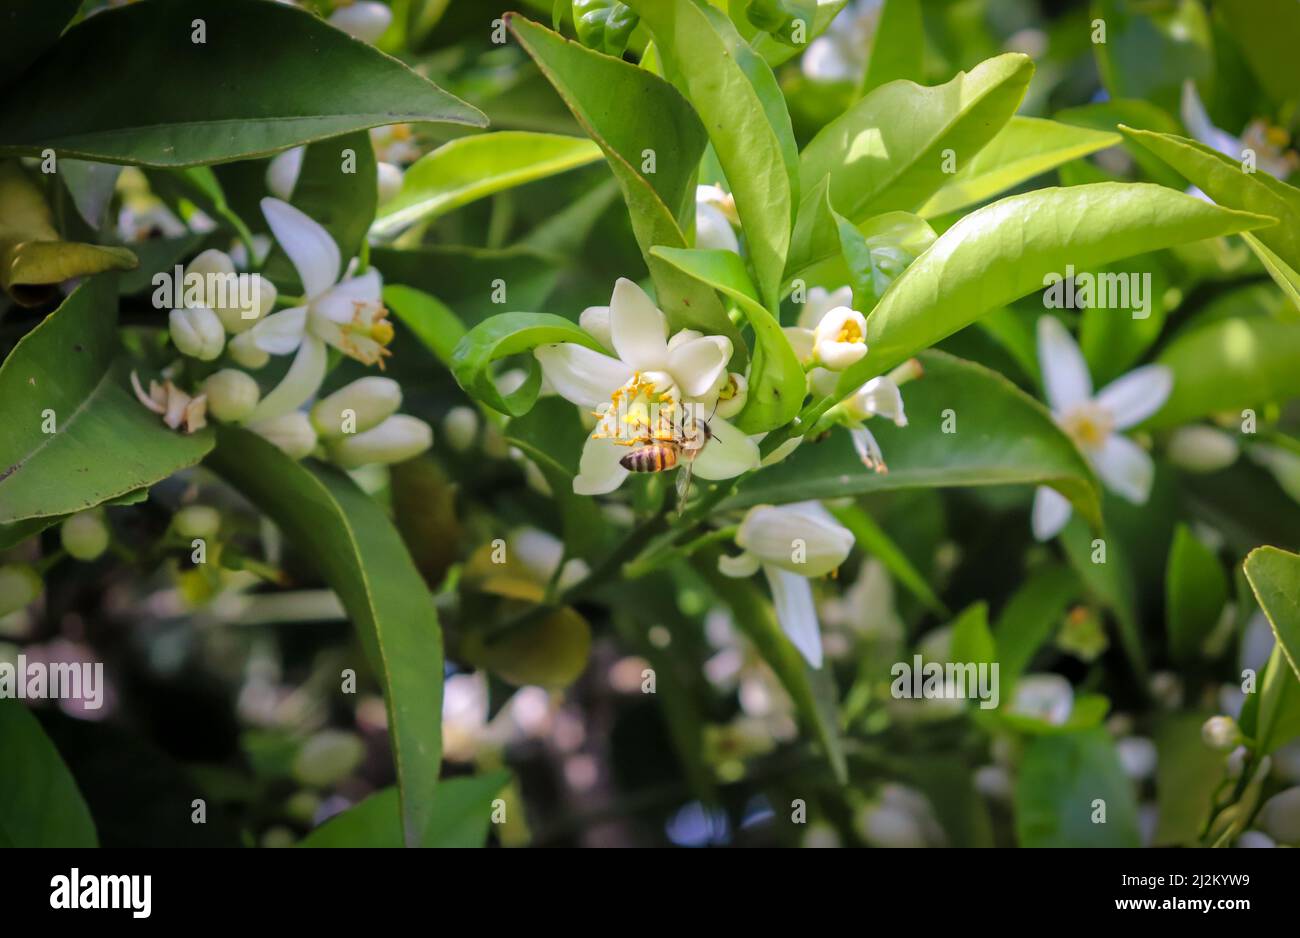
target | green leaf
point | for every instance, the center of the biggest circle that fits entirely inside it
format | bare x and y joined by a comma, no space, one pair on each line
897,46
1003,437
777,384
871,539
271,93
1061,778
971,639
597,89
1274,577
105,442
40,804
1187,774
1025,148
1004,250
1265,31
737,96
28,28
812,690
505,335
1149,50
1228,365
428,317
343,203
1271,715
361,556
1196,589
1111,582
470,168
886,152
773,50
1029,619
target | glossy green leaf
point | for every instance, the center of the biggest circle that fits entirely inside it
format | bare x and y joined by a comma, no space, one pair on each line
1187,773
1030,617
1195,590
361,556
40,804
776,379
505,335
1274,577
597,89
1265,31
272,91
886,153
1026,147
1004,250
1002,437
737,96
472,167
1108,574
1271,715
1150,50
773,50
897,46
429,318
1228,365
1062,777
971,639
872,539
105,442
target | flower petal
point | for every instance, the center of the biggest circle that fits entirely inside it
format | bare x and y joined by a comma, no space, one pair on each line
820,301
697,364
792,597
637,327
1051,512
738,567
801,537
310,247
581,375
300,382
727,455
595,322
282,332
1065,374
713,231
1125,468
599,471
340,303
1134,397
1198,124
880,397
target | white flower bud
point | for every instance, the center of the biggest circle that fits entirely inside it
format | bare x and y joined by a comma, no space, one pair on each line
1280,817
366,20
1201,449
460,427
247,353
398,438
238,300
1220,733
594,320
328,757
197,521
733,396
84,536
390,181
1047,697
232,394
801,537
801,340
197,333
840,339
292,433
19,585
1137,755
282,173
356,407
994,782
713,231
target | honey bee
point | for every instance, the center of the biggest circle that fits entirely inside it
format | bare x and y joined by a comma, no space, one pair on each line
661,451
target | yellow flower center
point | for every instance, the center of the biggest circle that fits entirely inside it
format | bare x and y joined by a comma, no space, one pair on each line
849,332
1088,425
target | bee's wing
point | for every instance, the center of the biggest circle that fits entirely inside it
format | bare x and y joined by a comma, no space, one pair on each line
684,479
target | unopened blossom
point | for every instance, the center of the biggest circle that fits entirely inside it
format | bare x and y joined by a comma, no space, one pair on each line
1046,697
179,410
19,586
366,20
225,300
1267,142
232,394
841,53
291,433
460,428
197,332
715,213
831,334
85,536
1137,756
1094,422
193,521
1200,448
356,407
1221,732
790,544
1280,817
899,817
650,374
348,314
397,438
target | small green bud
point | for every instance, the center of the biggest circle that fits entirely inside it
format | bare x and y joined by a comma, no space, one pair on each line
1221,733
232,394
19,585
460,427
201,521
84,535
328,757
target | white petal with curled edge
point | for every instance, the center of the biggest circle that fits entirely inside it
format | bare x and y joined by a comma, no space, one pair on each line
340,303
727,455
300,382
880,397
792,597
599,471
738,567
1065,373
282,332
310,247
637,328
1051,512
581,375
1134,397
697,364
594,320
1125,468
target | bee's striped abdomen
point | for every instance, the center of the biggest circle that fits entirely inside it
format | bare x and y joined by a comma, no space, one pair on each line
655,457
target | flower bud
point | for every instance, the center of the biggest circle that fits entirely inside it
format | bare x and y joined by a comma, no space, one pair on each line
282,173
247,353
1221,733
197,333
85,535
389,180
292,433
1201,449
398,438
594,320
1137,756
1280,817
202,521
1047,697
232,394
713,231
733,396
801,537
328,757
366,20
460,427
356,407
840,339
19,585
